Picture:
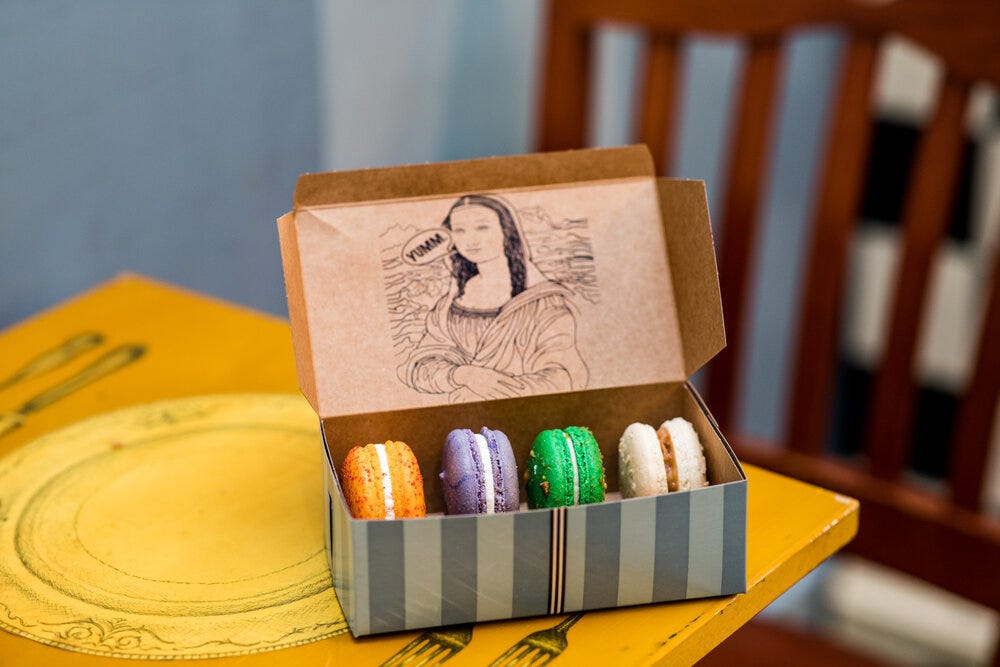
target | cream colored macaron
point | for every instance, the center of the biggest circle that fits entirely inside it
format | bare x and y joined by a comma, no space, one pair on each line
655,461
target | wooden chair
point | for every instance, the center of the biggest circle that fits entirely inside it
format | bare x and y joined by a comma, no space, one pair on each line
943,538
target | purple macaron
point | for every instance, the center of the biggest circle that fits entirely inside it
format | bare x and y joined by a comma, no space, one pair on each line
479,473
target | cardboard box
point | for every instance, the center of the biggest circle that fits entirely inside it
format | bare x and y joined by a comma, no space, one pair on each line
613,303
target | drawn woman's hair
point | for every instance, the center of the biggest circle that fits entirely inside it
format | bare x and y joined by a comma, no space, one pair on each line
513,246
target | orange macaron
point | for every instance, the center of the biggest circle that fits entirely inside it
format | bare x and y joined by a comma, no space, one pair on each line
383,481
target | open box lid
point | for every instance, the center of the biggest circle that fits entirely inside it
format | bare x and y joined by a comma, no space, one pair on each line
425,285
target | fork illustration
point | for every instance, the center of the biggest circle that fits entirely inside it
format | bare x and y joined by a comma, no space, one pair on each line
538,648
446,642
55,357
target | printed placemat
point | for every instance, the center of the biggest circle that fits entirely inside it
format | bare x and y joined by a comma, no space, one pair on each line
184,528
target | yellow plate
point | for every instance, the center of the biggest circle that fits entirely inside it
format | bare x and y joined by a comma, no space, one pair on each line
185,528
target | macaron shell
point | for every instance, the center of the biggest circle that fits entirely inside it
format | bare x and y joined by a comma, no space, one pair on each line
640,463
689,455
407,481
549,475
460,477
462,481
505,481
546,483
361,482
590,463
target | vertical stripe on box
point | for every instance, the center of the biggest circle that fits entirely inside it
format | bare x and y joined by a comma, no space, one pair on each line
341,573
576,549
557,559
600,583
347,555
337,546
495,566
329,534
734,539
705,535
386,576
532,534
358,569
334,547
458,569
638,551
342,543
328,529
670,571
422,547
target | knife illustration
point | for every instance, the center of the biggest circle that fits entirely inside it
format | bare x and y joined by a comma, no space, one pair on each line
110,362
54,358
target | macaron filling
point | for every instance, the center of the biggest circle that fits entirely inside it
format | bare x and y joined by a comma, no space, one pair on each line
383,462
486,467
669,458
576,469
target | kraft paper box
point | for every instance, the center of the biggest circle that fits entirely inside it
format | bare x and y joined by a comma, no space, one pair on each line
588,283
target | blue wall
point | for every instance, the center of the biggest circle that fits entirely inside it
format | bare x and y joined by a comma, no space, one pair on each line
161,137
165,137
406,82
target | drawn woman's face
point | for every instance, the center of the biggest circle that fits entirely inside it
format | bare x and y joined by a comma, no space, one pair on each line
477,233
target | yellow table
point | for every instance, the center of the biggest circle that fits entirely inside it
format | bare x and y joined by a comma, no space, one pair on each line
147,342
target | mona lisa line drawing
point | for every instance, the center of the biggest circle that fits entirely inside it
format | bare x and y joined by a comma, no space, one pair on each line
483,301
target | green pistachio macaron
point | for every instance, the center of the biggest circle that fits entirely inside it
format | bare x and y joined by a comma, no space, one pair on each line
564,468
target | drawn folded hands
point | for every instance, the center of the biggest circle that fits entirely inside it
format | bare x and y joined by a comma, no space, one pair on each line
479,381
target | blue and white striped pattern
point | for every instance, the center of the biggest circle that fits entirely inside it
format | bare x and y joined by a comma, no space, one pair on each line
415,573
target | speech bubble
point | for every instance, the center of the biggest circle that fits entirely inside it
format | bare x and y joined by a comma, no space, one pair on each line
427,246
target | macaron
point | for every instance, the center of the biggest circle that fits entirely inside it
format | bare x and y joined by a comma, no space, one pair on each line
479,473
655,461
383,481
564,468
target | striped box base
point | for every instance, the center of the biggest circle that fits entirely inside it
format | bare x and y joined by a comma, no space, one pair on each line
443,570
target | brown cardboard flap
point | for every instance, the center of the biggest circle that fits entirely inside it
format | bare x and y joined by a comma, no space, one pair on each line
500,173
688,232
297,312
455,283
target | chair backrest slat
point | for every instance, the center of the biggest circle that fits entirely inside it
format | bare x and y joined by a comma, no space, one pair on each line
926,215
837,205
947,539
974,424
744,183
657,106
565,100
